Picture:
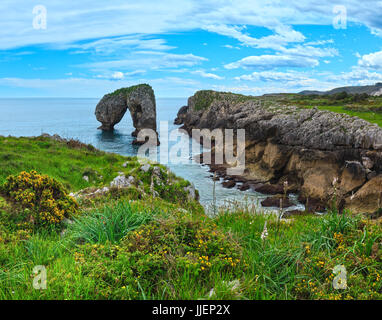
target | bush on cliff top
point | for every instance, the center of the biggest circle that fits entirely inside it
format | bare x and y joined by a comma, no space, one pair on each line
126,91
44,197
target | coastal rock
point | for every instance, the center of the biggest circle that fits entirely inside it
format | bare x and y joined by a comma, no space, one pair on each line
269,189
353,176
110,110
229,184
140,100
277,202
192,194
146,167
89,193
310,148
181,114
122,181
368,199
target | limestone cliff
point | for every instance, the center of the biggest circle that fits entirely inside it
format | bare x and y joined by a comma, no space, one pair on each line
323,155
140,100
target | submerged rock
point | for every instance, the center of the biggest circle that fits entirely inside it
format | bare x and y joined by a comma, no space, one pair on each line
270,189
277,202
229,184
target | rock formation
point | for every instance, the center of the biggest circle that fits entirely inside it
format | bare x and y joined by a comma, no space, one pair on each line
323,155
140,100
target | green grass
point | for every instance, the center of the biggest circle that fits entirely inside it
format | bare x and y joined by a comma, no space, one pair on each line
67,165
368,108
128,90
130,245
163,258
370,116
108,225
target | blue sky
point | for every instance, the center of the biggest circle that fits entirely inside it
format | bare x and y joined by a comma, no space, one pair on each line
89,48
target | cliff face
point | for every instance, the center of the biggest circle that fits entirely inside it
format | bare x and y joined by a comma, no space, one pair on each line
140,100
323,155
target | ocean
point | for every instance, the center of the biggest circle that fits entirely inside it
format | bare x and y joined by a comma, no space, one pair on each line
74,118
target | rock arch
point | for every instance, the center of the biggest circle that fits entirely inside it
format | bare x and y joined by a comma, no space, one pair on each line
139,99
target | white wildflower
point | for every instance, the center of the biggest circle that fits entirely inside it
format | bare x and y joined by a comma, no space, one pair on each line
264,234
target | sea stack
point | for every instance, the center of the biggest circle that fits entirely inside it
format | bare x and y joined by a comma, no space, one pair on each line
139,99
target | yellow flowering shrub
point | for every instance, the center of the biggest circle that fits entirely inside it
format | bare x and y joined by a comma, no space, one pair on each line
43,196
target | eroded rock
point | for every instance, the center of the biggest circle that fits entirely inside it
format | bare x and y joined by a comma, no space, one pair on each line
277,202
308,147
191,191
229,184
122,181
140,100
368,199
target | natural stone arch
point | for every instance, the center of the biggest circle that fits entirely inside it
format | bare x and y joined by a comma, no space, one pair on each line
140,100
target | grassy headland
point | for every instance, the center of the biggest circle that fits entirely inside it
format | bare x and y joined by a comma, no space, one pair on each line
151,241
363,106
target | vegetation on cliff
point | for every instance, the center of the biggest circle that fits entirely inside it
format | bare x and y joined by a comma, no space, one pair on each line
128,90
130,243
363,106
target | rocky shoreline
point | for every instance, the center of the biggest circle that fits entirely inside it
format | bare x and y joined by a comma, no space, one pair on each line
322,156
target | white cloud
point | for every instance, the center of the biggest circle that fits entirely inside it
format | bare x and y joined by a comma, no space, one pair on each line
283,35
310,51
146,60
71,21
274,76
231,47
372,60
111,45
267,62
207,75
118,75
358,76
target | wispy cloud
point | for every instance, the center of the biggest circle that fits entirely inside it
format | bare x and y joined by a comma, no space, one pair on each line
148,60
283,35
70,21
268,76
111,45
268,62
207,75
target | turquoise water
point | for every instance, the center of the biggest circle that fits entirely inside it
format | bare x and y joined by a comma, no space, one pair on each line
74,118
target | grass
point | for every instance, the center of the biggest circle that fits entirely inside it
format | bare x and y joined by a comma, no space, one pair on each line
370,116
130,245
109,225
66,164
366,107
188,256
127,91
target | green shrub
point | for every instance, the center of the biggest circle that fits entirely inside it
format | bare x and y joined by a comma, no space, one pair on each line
109,225
330,225
44,198
158,259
